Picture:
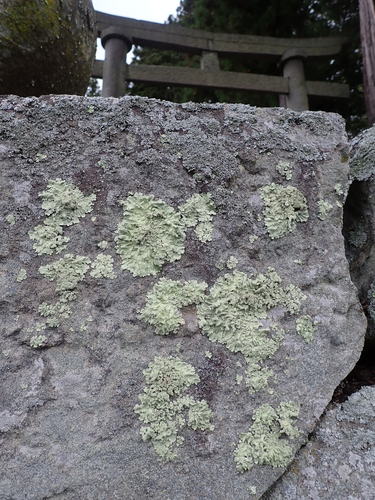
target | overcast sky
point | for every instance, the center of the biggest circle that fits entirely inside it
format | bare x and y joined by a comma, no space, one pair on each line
147,10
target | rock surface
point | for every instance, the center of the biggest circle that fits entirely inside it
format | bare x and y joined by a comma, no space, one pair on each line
339,462
224,366
359,222
46,47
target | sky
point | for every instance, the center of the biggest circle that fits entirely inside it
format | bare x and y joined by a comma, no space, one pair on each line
147,10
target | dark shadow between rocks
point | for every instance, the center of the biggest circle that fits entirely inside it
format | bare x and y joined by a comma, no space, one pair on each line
358,232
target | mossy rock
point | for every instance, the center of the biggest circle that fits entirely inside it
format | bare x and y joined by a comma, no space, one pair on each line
46,46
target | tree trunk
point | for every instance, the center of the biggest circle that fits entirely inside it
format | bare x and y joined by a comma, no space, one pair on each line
367,23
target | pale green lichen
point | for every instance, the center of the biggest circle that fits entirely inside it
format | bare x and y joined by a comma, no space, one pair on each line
40,157
56,312
150,234
232,262
48,239
208,354
285,169
103,245
198,212
102,267
339,189
324,209
266,441
10,219
37,341
305,327
233,313
102,164
63,204
253,238
284,208
166,298
163,405
22,275
257,377
67,272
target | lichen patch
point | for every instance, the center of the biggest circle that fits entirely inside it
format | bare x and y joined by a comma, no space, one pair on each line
164,403
63,204
284,207
266,442
152,233
164,301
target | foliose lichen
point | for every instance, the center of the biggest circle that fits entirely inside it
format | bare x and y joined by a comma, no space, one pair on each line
56,312
285,169
64,204
153,233
198,212
67,272
324,209
22,275
37,341
305,327
232,315
103,245
48,239
164,403
232,262
166,298
339,189
284,208
10,219
102,267
150,234
266,441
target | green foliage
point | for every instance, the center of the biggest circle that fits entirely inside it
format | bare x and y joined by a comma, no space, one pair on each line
93,89
294,18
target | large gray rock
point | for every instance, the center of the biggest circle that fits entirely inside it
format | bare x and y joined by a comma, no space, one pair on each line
359,222
224,366
46,46
339,462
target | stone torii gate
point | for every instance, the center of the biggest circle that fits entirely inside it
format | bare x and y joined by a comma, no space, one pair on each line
119,34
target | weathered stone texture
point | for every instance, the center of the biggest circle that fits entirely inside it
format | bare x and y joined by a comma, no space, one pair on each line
359,222
339,461
85,362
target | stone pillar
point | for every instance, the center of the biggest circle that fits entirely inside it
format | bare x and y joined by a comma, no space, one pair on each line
293,70
116,45
210,61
